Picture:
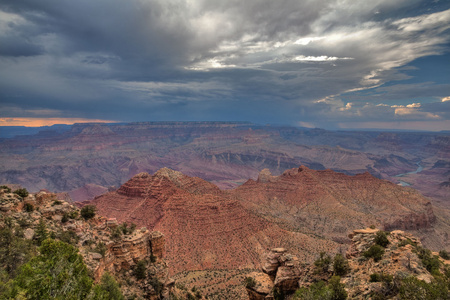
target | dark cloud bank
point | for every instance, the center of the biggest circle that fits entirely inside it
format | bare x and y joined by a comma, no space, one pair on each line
311,63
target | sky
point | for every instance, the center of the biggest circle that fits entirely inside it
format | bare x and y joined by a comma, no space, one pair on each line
333,64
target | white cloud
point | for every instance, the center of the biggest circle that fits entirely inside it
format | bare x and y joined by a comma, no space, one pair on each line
305,41
445,99
320,58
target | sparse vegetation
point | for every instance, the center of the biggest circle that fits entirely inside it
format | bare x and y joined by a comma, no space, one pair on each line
100,248
74,214
28,207
444,254
56,202
323,263
375,251
21,192
407,242
68,237
88,212
157,285
340,265
116,233
140,270
65,218
380,277
107,289
381,238
414,289
249,282
127,229
7,189
321,291
430,262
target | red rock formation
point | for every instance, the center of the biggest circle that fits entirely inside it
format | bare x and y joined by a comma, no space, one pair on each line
204,227
330,204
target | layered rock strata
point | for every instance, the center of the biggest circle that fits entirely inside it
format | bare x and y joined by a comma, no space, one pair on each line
205,227
330,203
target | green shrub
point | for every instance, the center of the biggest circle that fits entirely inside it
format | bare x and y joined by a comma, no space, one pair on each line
407,242
335,290
73,214
375,251
41,232
317,291
21,192
14,250
412,288
140,270
340,265
116,233
88,212
56,202
381,238
108,288
28,207
323,263
444,254
127,229
65,218
101,248
69,237
375,277
8,190
430,262
58,272
158,286
249,282
338,288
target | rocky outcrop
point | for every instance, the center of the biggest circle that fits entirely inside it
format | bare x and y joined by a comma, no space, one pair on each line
262,287
399,260
101,251
157,244
265,176
283,271
365,277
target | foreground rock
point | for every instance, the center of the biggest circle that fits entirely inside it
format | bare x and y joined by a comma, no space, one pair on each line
398,270
104,243
282,271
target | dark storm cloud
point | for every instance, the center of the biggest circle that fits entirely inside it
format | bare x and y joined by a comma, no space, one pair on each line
267,61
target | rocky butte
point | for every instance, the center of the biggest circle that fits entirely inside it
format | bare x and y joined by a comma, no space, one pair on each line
302,209
329,203
204,227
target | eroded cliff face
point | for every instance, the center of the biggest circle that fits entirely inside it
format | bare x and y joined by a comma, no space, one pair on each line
330,203
205,227
125,253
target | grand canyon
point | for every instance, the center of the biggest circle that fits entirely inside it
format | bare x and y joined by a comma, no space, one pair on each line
223,194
